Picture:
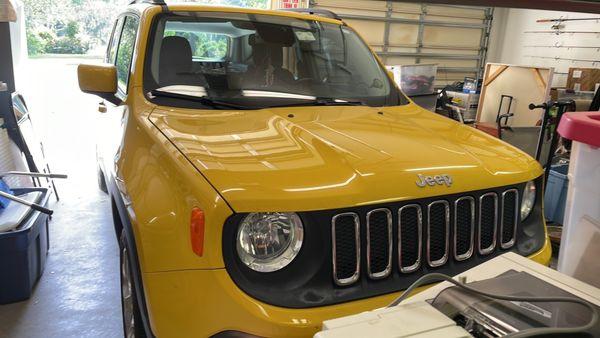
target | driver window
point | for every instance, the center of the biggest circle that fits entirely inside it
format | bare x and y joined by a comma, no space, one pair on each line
111,54
125,52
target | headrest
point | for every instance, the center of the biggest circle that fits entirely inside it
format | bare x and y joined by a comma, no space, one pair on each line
175,57
276,55
262,51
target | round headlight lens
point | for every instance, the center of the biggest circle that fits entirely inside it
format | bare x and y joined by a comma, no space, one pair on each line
268,241
528,199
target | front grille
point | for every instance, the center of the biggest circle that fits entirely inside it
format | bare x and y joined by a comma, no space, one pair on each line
438,230
488,222
446,227
508,219
410,234
464,227
345,231
379,243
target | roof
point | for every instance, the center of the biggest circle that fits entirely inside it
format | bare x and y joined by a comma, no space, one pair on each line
198,7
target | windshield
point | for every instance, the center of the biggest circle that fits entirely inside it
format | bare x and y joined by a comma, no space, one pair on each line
259,61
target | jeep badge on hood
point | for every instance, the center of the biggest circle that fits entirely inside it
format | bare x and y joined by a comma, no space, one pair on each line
433,180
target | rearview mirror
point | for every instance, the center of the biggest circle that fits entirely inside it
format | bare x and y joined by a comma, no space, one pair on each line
390,74
99,80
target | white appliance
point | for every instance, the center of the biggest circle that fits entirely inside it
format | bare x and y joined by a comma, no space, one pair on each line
445,311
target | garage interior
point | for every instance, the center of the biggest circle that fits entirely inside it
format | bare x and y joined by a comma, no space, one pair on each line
512,70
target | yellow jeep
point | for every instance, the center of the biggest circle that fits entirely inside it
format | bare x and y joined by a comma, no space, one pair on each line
267,174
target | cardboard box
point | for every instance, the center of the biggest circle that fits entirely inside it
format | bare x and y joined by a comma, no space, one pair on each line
583,79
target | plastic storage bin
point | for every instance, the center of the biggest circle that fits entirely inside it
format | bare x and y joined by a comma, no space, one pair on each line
23,253
555,196
580,242
416,79
466,102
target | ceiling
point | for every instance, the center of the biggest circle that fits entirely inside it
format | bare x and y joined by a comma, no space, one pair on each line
555,5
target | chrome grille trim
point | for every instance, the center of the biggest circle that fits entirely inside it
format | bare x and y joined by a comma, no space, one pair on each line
469,253
489,249
444,259
354,277
517,209
388,269
417,264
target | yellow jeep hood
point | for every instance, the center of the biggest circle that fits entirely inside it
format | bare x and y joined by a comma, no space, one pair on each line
309,158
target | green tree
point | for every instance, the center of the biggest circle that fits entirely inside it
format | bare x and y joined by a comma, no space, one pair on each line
87,24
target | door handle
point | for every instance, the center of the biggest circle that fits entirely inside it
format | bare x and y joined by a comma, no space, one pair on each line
102,107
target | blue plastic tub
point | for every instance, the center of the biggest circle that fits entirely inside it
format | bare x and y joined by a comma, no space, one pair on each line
23,253
556,193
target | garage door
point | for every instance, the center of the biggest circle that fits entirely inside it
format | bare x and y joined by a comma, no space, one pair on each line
454,37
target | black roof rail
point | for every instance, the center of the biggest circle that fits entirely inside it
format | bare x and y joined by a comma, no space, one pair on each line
315,11
152,2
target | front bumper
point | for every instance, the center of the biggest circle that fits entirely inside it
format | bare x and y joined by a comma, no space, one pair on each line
201,303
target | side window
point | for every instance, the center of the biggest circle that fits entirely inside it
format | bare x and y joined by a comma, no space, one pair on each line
111,54
125,51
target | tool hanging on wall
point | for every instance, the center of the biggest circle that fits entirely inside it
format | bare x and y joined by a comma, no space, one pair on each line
567,19
558,32
563,59
559,45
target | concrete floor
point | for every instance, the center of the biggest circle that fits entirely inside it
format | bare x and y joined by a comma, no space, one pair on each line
78,294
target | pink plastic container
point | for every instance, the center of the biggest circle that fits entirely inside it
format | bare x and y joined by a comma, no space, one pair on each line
580,242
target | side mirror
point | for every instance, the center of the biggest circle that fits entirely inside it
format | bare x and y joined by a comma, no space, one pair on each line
99,80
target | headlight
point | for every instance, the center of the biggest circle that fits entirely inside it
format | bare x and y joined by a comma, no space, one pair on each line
268,241
528,200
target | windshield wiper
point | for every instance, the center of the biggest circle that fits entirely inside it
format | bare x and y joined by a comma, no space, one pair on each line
322,101
200,99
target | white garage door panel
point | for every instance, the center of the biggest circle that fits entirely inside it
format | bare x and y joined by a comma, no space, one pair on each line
371,31
409,33
443,18
459,37
450,62
458,12
396,60
354,4
403,34
446,77
405,7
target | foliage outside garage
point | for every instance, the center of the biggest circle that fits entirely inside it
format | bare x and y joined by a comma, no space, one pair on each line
83,26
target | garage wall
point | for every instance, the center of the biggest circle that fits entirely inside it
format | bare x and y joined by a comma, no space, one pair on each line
18,41
454,37
513,45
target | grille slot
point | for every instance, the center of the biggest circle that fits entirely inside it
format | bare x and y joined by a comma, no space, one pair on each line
410,234
438,231
508,218
464,227
379,243
345,231
488,222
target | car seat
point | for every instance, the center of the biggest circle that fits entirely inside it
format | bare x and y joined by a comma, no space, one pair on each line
267,68
176,63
